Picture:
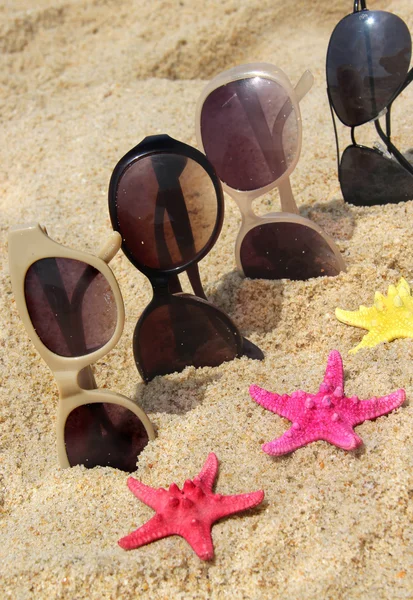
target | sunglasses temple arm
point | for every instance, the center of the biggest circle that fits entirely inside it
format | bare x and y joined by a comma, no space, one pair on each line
304,85
286,197
106,253
193,275
259,125
55,292
392,148
258,122
388,122
180,221
164,256
174,285
359,5
302,88
86,378
407,81
335,131
110,247
177,211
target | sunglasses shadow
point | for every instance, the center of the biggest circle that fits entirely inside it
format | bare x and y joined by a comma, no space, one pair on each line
253,304
335,217
165,394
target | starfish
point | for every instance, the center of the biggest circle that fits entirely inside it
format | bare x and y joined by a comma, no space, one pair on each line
390,317
189,512
327,415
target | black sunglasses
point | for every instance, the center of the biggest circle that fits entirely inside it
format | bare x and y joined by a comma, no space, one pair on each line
367,65
167,203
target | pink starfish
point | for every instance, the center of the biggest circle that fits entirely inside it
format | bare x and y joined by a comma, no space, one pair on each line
189,513
328,415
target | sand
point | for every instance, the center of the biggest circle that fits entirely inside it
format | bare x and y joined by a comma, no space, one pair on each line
81,83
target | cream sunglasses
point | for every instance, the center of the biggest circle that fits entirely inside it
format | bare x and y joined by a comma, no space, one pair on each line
248,123
72,308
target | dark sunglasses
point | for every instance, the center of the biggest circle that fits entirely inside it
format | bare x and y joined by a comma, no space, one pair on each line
367,65
167,203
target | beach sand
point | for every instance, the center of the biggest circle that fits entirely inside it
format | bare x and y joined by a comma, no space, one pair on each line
81,83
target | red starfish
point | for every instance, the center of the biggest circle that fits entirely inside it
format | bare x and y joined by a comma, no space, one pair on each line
189,513
328,415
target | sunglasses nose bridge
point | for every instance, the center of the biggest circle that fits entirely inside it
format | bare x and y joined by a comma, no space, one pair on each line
244,202
72,382
67,383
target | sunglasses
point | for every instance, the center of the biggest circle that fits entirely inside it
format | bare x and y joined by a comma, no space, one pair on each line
167,203
367,66
249,126
72,309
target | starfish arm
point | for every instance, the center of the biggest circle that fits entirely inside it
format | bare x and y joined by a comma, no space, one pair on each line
280,405
404,291
341,435
152,497
363,410
370,340
223,506
292,439
155,529
209,471
198,536
333,377
356,318
377,336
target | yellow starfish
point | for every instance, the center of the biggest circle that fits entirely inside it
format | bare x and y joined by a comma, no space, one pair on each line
390,317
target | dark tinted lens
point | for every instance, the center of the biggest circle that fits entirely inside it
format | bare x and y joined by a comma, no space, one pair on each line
249,131
182,333
166,210
286,250
104,434
368,178
367,61
71,305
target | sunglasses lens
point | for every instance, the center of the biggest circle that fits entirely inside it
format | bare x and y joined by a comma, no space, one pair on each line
182,333
286,251
368,178
250,132
104,434
71,305
166,210
367,61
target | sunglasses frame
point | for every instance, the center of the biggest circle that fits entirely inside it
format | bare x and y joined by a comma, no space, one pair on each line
151,146
165,282
74,376
289,211
169,298
385,136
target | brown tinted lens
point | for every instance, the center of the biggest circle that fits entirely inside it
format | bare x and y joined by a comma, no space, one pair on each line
182,333
368,178
71,305
250,132
104,434
286,251
166,209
